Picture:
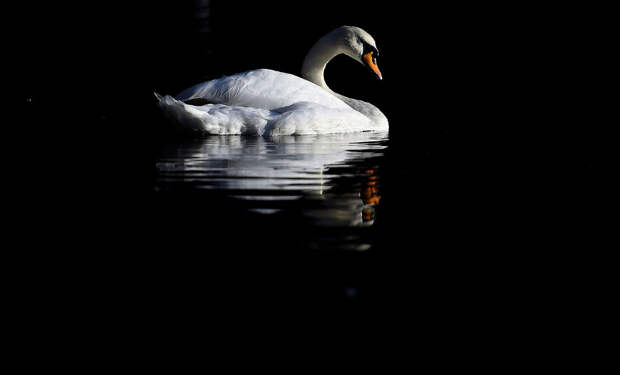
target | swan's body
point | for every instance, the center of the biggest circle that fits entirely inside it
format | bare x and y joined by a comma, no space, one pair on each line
269,102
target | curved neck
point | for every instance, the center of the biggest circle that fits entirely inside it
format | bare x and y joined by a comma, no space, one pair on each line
314,67
317,58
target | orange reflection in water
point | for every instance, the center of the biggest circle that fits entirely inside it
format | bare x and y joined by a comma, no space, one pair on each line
370,194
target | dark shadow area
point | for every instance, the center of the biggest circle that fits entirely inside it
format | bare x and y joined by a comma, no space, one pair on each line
464,193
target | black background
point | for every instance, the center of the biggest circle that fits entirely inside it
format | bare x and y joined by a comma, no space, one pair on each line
485,140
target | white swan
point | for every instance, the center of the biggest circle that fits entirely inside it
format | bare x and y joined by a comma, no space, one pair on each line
274,103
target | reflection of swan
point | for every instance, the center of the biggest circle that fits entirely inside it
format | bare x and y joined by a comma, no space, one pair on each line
274,103
270,170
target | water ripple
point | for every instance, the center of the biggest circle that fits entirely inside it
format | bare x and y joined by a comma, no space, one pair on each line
325,181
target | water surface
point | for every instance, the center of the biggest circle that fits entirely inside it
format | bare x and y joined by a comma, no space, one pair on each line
326,188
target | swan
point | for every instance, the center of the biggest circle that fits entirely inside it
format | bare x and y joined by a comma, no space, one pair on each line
272,103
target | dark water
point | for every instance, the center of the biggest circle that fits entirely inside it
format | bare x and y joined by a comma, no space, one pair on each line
323,181
302,209
326,218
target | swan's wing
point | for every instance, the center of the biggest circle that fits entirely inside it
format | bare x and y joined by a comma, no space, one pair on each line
262,88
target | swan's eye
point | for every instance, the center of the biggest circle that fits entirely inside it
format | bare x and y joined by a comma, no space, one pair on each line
372,55
368,49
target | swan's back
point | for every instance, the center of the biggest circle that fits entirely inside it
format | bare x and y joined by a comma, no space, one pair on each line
262,88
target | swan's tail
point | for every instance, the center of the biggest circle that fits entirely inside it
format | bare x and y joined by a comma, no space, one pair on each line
186,118
214,118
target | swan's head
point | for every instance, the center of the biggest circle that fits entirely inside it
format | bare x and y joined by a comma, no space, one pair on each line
349,40
360,46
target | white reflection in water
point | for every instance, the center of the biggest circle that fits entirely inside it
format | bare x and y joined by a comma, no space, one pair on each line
330,180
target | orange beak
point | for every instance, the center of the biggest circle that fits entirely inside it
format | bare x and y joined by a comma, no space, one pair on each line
371,62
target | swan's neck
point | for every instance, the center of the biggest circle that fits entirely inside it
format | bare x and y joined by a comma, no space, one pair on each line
317,58
313,70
